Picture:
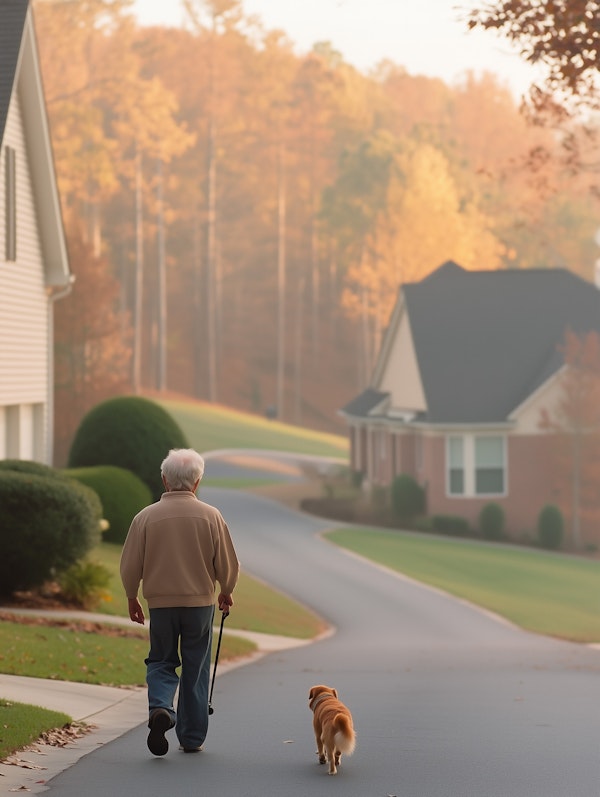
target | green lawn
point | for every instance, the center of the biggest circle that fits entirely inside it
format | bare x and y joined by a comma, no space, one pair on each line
63,654
21,725
212,427
550,593
257,606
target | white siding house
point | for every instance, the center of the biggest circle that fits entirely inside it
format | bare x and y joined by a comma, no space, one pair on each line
34,269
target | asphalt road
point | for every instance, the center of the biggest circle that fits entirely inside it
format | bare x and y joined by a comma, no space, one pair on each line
447,701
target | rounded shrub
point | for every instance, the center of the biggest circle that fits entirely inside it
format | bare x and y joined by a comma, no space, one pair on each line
407,497
122,495
454,525
48,523
550,527
491,522
129,432
33,468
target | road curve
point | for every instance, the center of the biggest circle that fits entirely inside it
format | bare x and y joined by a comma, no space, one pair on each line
447,701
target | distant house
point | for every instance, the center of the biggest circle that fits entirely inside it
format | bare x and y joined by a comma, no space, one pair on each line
34,269
467,363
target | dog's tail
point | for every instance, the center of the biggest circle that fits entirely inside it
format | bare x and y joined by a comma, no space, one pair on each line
345,738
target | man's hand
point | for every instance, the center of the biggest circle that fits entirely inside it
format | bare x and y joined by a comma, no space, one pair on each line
136,613
225,601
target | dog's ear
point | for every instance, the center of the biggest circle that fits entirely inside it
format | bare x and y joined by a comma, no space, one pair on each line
334,692
311,694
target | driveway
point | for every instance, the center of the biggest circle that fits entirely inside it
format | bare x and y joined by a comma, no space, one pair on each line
447,701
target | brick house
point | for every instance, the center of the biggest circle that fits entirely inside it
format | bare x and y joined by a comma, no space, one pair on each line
467,364
34,269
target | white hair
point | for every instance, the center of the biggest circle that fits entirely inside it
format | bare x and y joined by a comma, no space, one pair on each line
182,467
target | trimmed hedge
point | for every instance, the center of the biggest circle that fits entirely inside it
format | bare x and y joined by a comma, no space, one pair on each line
31,467
129,432
550,527
48,523
121,493
453,525
491,522
407,497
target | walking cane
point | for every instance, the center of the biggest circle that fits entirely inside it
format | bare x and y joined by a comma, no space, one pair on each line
210,708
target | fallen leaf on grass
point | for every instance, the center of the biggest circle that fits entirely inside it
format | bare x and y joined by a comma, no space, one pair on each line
61,737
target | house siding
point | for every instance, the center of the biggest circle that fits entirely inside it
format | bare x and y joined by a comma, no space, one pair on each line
529,486
24,313
401,378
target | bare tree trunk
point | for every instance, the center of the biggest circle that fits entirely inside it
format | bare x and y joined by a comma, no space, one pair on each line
316,284
162,286
139,277
365,338
209,304
281,268
198,293
298,337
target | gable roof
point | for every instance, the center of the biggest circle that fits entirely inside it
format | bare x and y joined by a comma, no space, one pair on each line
365,403
12,14
20,76
485,340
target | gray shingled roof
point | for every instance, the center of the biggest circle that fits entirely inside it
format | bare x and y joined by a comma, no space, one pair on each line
12,22
485,340
362,405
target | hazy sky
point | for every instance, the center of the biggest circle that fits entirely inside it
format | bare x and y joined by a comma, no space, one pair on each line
425,36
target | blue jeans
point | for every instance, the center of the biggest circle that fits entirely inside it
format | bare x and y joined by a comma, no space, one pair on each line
187,630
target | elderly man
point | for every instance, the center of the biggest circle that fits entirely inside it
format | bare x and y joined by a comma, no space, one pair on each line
179,547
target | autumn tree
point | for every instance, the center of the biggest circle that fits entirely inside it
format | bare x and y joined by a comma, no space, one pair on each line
92,343
574,428
259,206
564,37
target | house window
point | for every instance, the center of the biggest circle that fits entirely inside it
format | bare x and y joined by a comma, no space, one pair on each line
10,203
475,465
456,465
489,466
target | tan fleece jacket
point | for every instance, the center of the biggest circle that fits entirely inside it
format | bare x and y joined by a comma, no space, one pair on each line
178,548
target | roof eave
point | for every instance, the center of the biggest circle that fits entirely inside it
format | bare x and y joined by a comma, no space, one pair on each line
39,149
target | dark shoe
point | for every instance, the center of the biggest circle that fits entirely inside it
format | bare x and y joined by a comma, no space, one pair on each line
159,723
191,749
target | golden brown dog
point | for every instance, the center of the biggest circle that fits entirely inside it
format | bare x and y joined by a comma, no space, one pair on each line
332,721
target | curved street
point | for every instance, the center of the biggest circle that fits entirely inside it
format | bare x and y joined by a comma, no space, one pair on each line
447,701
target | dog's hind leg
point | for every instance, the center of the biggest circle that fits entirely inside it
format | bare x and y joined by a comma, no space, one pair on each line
333,758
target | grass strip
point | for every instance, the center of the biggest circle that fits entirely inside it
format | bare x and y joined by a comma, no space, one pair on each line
21,725
211,427
65,654
257,607
549,593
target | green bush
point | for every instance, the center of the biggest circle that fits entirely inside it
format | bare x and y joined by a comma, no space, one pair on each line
453,525
32,468
550,527
357,478
85,583
491,522
131,433
48,523
380,500
122,495
407,497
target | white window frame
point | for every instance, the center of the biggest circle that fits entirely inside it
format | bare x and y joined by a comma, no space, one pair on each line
469,465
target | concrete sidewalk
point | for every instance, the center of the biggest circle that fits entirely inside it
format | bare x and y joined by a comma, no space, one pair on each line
109,711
